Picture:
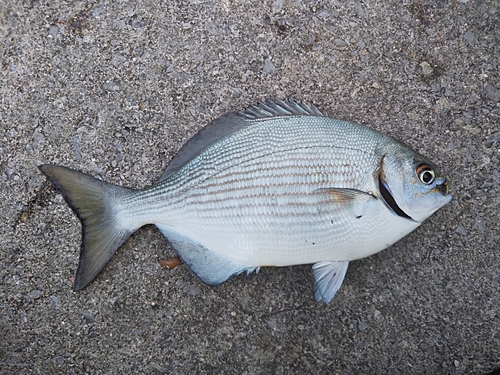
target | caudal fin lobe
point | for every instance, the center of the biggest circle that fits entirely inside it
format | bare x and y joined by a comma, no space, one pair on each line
96,203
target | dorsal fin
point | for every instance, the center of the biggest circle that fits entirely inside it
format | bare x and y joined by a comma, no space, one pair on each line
278,107
230,123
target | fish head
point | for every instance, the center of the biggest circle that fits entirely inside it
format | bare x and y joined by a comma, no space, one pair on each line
410,185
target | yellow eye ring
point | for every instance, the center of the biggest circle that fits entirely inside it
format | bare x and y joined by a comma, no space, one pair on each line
426,174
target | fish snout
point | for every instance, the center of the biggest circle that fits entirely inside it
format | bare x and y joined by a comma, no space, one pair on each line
443,187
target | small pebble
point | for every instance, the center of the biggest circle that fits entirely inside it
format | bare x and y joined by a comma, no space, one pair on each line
470,37
111,86
443,103
362,326
89,318
117,60
34,294
76,147
271,323
53,31
211,27
278,6
38,138
461,230
58,361
137,24
97,10
492,93
468,155
339,43
426,68
492,139
54,301
360,10
479,225
269,67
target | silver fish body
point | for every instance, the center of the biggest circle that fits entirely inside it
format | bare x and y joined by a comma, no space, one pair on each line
277,185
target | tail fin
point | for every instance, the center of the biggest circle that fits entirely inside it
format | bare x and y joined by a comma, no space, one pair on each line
96,204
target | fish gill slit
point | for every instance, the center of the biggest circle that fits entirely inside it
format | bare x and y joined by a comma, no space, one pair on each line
389,199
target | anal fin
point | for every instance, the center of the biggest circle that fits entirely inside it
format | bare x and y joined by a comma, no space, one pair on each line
212,268
328,277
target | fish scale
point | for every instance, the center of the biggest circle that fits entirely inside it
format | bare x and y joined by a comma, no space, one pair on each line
276,185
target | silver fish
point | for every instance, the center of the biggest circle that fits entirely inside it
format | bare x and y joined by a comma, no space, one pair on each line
278,184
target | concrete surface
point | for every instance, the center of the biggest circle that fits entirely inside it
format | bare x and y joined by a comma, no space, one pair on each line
116,88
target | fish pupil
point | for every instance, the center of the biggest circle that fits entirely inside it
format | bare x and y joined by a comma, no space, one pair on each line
427,177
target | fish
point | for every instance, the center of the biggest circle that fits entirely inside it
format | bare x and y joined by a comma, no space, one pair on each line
277,184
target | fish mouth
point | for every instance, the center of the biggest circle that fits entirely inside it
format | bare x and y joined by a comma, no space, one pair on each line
389,200
443,188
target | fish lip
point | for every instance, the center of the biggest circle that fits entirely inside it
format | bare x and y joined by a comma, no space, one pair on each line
443,187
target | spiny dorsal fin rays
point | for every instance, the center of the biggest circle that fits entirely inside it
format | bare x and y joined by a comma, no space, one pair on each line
278,107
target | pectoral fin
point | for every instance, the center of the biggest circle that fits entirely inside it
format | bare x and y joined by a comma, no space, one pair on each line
351,202
328,277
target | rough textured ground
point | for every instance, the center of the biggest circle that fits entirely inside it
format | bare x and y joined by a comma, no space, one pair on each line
115,88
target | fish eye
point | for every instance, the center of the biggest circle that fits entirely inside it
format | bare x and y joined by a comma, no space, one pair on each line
426,174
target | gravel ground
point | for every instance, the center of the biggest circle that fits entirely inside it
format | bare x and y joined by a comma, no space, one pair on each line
115,89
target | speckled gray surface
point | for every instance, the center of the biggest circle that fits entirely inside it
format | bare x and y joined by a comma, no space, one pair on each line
115,88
